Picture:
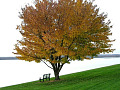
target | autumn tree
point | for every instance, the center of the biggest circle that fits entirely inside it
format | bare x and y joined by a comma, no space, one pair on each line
61,32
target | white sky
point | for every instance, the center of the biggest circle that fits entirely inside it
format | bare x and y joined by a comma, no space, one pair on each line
9,19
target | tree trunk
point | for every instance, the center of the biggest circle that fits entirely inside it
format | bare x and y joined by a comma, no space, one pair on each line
56,68
56,73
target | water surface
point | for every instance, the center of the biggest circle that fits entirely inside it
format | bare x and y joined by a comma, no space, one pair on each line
14,72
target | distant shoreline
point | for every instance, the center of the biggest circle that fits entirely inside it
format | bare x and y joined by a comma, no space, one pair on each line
8,58
99,56
107,55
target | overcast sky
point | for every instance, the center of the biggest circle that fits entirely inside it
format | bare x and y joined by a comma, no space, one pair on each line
9,19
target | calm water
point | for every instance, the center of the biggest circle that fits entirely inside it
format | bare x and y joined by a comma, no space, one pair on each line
14,72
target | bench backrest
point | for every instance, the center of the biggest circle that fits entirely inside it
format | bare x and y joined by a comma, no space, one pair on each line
46,76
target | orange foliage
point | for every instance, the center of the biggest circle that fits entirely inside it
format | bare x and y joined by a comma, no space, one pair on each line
70,28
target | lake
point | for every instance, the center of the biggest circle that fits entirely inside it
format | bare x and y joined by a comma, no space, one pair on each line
14,72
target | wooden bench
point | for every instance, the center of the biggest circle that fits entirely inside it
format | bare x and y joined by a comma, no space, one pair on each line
45,76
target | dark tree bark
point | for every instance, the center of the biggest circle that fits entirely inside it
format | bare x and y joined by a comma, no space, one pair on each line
56,68
56,73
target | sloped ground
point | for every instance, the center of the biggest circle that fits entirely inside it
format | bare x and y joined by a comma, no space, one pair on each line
106,78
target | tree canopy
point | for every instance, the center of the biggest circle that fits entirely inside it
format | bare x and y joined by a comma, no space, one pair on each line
63,31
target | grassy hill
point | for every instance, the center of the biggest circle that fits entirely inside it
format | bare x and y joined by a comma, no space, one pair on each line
106,78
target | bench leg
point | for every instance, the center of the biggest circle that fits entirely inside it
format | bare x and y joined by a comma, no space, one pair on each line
40,80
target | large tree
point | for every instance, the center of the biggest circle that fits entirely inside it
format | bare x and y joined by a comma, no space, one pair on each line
61,32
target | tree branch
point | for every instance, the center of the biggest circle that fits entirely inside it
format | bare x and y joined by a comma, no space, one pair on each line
47,65
61,66
61,43
71,43
41,38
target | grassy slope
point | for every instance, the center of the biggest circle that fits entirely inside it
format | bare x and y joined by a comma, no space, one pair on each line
106,78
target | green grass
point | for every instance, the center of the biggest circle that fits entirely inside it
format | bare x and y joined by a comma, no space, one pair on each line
106,78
